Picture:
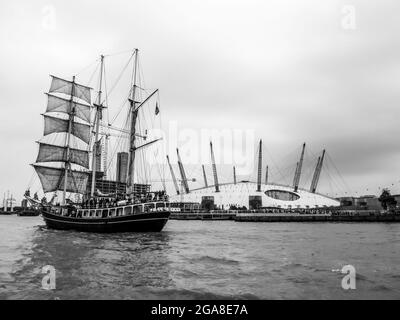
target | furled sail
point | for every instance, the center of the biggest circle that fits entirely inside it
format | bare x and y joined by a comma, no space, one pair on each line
52,153
59,85
52,179
57,104
57,125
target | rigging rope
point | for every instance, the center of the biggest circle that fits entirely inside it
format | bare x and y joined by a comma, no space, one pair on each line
86,68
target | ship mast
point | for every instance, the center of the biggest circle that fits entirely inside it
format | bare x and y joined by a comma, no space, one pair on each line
134,115
67,165
97,123
77,105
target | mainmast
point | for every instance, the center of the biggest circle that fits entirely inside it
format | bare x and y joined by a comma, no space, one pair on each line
98,117
134,115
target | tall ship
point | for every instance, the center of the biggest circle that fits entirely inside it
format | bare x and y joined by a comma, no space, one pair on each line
68,166
8,205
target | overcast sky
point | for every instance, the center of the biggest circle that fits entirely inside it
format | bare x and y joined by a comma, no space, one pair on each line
292,70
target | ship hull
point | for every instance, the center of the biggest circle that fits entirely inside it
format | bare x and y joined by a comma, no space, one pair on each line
148,222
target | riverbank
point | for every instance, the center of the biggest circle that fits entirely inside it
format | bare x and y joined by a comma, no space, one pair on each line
343,216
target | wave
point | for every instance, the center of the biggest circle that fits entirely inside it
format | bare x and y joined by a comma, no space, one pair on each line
185,294
218,260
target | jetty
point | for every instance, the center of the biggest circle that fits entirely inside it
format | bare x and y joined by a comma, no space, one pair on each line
289,216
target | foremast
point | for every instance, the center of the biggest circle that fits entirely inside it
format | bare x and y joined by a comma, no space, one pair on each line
67,164
65,98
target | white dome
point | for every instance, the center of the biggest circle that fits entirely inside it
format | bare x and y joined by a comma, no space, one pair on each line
278,196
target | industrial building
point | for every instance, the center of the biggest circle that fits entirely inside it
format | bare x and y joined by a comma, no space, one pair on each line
106,186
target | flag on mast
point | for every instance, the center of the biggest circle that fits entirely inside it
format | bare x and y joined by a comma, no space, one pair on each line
157,109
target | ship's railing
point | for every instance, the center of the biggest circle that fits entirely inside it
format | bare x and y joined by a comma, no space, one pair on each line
104,204
118,211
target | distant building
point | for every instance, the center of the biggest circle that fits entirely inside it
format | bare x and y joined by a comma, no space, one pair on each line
397,198
122,166
368,202
110,187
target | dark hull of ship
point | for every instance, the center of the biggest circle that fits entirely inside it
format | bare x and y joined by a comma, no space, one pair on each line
148,222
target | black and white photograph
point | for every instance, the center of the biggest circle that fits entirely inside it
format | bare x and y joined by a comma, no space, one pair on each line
209,151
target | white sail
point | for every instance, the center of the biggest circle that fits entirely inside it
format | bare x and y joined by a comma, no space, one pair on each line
57,125
52,153
52,179
59,85
56,104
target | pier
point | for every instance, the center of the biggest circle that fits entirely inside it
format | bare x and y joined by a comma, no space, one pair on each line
290,216
201,215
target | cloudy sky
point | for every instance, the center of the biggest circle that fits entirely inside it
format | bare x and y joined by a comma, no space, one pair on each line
290,70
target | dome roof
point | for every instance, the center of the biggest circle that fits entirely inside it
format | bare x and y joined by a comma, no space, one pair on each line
271,195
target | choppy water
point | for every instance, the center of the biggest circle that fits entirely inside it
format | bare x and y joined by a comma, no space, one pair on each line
201,260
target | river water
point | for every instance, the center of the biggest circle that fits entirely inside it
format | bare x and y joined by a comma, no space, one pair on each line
201,260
